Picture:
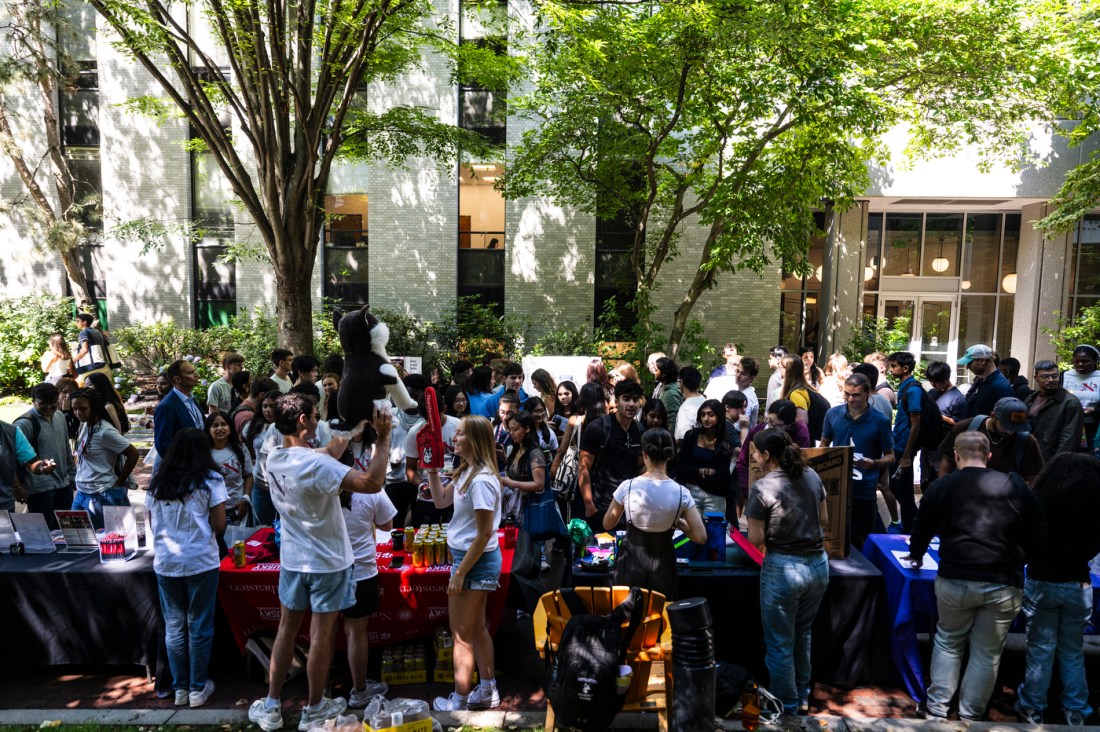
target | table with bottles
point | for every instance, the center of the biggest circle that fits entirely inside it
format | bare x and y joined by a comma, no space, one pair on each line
412,587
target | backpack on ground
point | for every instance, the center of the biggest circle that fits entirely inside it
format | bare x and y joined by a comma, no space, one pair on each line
582,677
932,428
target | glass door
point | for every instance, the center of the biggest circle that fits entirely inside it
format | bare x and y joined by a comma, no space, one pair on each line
929,320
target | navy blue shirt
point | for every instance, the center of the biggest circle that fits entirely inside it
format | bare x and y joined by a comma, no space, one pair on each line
909,392
871,436
985,393
951,403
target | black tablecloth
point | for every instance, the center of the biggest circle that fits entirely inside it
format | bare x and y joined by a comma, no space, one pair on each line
70,609
851,641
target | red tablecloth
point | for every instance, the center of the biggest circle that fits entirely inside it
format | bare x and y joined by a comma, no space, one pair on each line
413,600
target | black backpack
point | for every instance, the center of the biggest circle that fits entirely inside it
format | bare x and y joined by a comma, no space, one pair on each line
932,428
582,677
819,406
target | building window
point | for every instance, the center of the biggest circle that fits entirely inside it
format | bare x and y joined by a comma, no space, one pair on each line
346,252
1085,265
480,109
78,105
90,257
799,309
481,239
212,227
616,284
84,165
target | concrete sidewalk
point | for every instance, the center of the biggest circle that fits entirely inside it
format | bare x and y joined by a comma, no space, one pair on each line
492,719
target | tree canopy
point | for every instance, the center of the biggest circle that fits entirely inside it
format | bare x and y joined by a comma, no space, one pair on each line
746,117
291,77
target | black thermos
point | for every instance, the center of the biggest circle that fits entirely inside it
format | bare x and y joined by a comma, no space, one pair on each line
692,665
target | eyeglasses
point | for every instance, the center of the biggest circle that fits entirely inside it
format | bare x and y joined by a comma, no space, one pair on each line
1046,377
46,405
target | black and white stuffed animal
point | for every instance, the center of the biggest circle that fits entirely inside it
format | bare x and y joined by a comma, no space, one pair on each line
368,377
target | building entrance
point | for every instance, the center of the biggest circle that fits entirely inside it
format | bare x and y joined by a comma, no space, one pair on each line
932,324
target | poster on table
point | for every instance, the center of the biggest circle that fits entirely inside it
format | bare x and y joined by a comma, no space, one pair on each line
33,532
560,368
76,527
834,466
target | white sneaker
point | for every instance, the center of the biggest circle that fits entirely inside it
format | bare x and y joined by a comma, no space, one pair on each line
327,709
481,699
451,703
198,698
182,697
358,699
266,719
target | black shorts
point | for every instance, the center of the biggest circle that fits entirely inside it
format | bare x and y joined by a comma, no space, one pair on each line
366,599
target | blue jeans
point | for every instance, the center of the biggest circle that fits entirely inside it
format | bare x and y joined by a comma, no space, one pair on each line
977,614
1057,613
263,510
791,588
93,503
187,604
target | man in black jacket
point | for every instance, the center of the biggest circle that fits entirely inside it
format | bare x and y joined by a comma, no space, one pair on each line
1055,414
989,524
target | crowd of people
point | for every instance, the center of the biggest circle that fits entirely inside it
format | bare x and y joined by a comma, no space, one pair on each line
650,462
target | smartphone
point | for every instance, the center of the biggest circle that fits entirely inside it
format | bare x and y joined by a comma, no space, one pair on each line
396,561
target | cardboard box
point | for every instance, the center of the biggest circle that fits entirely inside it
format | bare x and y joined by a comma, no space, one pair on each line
834,466
397,678
447,676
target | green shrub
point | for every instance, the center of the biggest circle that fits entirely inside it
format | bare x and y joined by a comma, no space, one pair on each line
471,330
877,334
579,341
26,324
254,335
152,346
1072,332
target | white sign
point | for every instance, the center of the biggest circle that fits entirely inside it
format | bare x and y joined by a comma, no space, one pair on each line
411,364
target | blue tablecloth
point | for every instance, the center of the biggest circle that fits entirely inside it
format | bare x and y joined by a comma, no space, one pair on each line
911,605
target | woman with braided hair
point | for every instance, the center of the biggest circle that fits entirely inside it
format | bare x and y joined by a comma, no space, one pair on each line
100,480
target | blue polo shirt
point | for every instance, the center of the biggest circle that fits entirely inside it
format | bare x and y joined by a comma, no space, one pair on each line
870,435
909,393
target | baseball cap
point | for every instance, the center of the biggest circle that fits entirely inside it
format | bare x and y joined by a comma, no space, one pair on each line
1011,414
978,351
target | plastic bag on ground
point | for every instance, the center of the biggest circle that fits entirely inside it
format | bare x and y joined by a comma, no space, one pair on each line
399,715
349,723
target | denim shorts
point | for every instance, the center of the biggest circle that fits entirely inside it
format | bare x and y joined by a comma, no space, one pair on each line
321,592
485,572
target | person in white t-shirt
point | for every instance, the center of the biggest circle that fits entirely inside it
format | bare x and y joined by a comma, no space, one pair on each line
655,506
364,513
474,491
235,465
186,502
316,557
423,508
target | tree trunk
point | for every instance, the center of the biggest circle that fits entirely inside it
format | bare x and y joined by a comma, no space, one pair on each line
294,303
703,281
79,284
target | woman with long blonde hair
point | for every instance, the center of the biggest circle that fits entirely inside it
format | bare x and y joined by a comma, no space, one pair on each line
474,491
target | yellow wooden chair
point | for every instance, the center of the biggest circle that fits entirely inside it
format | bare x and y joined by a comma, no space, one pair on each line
649,651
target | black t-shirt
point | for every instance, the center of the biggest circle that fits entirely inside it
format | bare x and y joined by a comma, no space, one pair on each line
1003,450
618,456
